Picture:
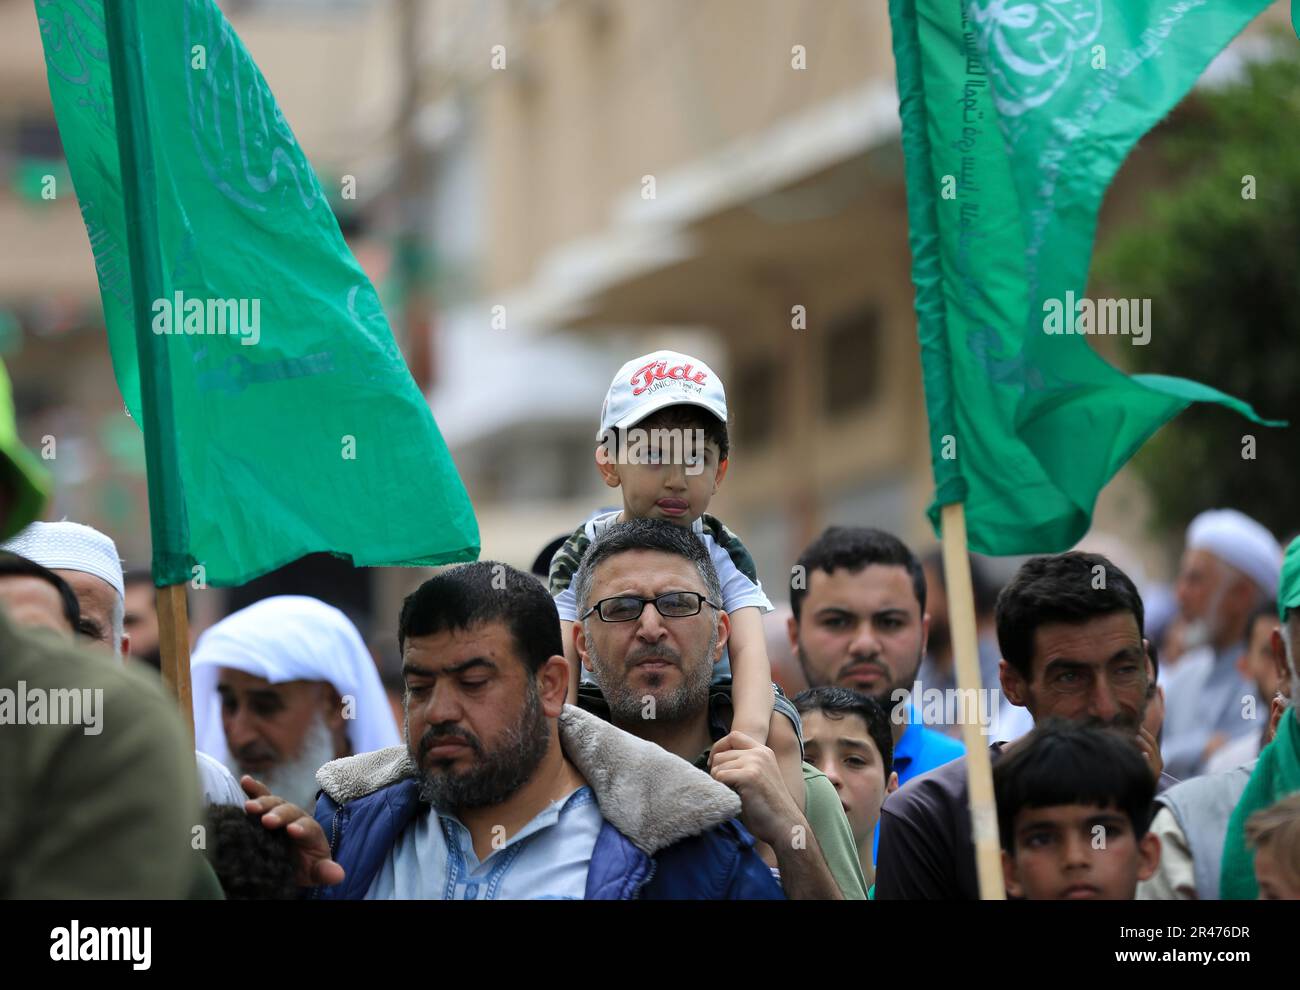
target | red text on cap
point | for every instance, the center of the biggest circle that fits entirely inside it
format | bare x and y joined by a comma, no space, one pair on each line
659,370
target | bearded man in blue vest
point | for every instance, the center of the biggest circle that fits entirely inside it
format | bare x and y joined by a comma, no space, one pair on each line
504,792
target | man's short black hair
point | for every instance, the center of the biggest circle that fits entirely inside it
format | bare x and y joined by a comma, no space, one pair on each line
1061,763
485,591
853,548
13,565
253,862
1072,587
837,702
645,534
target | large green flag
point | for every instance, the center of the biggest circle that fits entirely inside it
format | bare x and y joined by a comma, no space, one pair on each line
279,416
20,471
1016,115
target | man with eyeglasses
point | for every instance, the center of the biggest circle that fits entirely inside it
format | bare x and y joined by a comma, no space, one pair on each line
650,627
502,791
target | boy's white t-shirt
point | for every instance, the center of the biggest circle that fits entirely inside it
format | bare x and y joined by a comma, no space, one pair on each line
738,591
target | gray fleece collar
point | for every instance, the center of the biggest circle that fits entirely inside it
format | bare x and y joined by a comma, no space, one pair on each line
651,796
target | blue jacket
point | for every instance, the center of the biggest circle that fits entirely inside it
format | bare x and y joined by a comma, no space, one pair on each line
679,839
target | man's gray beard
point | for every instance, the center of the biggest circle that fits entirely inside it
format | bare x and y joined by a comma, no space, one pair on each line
295,780
498,773
1196,634
1205,630
627,708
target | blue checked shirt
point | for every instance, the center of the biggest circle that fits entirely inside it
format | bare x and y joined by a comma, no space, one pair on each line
434,858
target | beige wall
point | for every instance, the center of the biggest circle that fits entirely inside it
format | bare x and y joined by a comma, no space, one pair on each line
593,103
596,94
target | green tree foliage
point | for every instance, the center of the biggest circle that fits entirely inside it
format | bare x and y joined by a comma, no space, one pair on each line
1222,272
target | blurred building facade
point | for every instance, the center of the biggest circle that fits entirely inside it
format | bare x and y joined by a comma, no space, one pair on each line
544,189
724,178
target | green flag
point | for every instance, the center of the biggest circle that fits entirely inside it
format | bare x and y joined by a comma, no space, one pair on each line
1015,117
279,416
20,473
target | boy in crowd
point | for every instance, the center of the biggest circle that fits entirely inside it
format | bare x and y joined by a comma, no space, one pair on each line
1074,805
663,442
1274,834
847,737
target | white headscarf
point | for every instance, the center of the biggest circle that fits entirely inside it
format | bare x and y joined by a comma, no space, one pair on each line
1238,540
291,638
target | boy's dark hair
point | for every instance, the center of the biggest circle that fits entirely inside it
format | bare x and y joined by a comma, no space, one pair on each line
484,592
253,862
853,548
837,702
14,565
1063,587
1062,762
645,534
682,417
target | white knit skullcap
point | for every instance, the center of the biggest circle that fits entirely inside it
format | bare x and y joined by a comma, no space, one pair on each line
69,546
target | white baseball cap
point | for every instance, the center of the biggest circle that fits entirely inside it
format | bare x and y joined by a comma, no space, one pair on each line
664,378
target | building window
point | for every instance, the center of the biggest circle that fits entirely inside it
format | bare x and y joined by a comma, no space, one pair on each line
755,395
851,360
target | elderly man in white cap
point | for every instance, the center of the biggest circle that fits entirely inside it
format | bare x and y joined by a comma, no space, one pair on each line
1230,565
88,561
1201,823
283,687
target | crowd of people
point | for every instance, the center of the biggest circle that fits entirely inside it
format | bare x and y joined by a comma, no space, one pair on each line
613,725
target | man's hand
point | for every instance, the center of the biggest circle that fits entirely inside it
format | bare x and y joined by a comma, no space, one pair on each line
768,810
315,868
1151,750
750,769
728,741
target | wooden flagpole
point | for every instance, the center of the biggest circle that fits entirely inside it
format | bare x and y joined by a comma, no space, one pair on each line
174,640
979,768
139,201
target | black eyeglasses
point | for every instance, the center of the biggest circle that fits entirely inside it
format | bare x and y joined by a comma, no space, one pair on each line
625,608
